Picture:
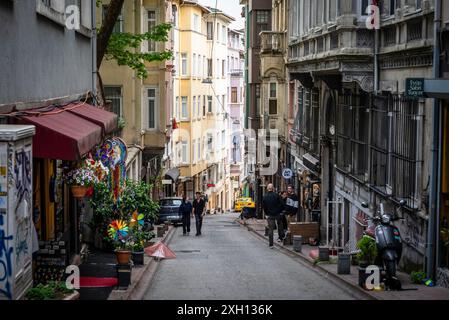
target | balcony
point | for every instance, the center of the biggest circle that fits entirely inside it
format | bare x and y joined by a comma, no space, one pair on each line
272,42
236,72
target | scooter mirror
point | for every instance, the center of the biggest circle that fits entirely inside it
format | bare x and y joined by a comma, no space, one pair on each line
365,205
402,203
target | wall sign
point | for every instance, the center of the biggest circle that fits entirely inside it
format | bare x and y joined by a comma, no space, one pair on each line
414,88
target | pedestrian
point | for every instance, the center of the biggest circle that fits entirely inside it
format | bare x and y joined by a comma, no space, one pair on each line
291,204
284,195
198,211
185,210
273,206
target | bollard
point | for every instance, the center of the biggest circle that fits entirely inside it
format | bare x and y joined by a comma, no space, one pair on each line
297,243
160,231
344,263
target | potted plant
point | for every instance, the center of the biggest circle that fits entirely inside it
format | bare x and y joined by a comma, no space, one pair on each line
366,256
119,234
80,180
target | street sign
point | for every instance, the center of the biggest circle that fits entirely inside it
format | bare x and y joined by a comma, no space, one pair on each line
414,88
287,173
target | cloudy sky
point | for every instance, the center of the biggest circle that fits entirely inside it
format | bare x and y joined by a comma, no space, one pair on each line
230,7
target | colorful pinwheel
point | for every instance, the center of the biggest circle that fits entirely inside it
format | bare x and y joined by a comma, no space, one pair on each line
118,230
137,219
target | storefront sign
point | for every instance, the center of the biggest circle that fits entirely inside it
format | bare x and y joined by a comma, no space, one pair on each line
287,173
167,182
414,87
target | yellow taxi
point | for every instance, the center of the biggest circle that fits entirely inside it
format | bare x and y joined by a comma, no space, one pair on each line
240,203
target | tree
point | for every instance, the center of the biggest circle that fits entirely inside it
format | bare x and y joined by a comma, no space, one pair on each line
124,47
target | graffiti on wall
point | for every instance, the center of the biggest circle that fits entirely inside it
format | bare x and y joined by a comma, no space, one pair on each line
5,261
412,233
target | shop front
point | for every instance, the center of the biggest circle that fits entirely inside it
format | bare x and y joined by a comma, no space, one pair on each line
64,137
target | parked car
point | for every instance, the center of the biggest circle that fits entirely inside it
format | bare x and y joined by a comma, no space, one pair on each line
169,210
243,202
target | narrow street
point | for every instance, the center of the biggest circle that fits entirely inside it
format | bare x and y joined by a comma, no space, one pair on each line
228,262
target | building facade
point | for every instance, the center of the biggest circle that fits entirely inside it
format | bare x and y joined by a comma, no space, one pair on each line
142,104
356,136
257,15
198,150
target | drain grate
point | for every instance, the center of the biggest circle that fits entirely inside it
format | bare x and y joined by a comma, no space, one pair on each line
188,251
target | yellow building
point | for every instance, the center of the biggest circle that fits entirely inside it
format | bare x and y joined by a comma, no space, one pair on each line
198,149
141,103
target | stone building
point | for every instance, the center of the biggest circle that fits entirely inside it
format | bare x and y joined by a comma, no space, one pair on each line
356,136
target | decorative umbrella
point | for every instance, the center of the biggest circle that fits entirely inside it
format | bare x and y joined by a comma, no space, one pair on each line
160,251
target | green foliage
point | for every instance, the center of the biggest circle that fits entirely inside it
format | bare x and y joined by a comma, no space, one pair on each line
368,250
140,237
50,291
125,48
417,277
121,123
104,207
136,196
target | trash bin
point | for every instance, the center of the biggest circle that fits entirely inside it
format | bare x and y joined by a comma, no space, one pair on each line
344,263
297,243
248,212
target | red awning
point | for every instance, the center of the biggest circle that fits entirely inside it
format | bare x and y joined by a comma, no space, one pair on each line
63,135
105,119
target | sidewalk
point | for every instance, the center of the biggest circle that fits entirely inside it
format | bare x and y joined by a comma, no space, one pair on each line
141,275
330,269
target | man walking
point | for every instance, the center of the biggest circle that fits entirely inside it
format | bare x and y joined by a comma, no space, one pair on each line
273,206
291,204
185,210
198,210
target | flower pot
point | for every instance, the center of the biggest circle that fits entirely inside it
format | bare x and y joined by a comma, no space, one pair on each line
138,258
123,256
79,191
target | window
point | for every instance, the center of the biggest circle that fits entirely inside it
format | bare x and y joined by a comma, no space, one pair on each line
218,32
223,102
262,23
184,152
223,34
194,65
363,6
176,112
210,31
114,95
223,138
151,24
223,68
53,10
204,106
218,68
209,68
184,111
194,106
184,64
199,150
199,107
273,99
196,23
209,104
200,67
174,10
234,95
210,140
118,27
258,105
152,108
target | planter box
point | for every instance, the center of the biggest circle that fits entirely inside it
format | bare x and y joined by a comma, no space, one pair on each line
305,229
137,258
123,276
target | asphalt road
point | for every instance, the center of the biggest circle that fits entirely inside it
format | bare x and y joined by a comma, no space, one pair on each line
228,262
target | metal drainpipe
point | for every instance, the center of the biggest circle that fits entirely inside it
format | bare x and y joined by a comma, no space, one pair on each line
94,50
434,198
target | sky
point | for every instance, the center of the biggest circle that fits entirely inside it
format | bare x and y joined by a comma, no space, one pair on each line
230,7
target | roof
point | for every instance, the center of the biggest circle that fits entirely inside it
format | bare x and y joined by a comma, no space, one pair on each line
218,12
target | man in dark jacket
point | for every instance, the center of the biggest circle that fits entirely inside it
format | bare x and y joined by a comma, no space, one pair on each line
273,206
198,210
292,204
186,210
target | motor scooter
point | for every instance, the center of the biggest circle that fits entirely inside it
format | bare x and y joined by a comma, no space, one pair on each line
389,244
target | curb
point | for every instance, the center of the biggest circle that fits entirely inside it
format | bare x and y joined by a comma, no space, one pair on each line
139,282
349,287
